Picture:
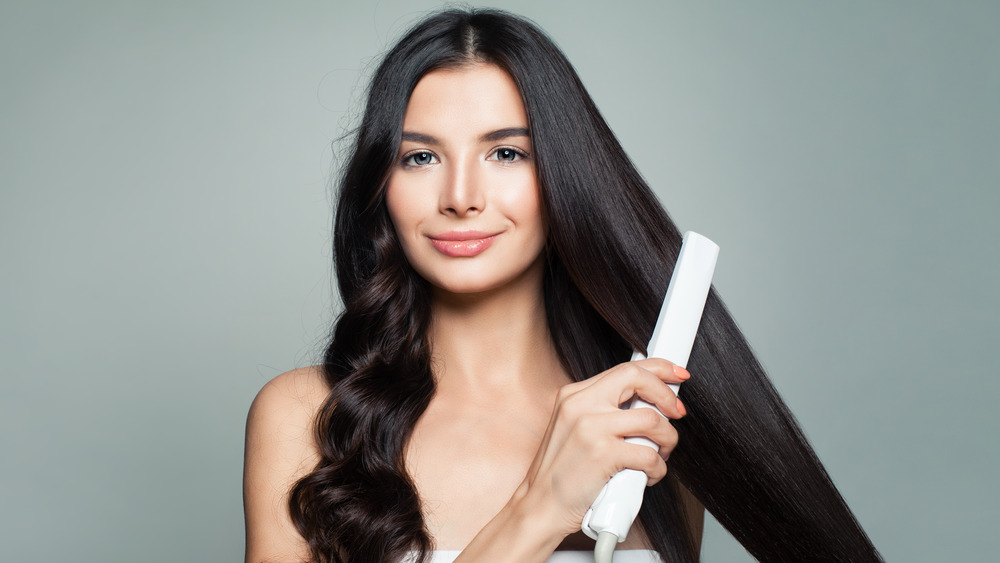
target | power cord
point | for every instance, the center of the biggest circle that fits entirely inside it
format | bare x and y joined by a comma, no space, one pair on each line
604,551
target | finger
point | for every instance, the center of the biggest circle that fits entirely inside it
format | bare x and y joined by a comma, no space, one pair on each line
643,422
634,379
667,371
680,405
663,369
651,425
642,458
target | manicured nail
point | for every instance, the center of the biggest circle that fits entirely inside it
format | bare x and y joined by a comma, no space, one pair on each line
681,372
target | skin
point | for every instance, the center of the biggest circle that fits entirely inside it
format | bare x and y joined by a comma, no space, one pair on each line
525,450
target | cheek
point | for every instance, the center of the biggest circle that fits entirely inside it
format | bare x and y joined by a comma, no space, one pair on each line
523,202
399,207
400,215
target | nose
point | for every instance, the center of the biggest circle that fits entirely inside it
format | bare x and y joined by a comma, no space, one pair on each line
463,193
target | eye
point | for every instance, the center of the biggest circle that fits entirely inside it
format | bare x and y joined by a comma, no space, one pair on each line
508,154
419,158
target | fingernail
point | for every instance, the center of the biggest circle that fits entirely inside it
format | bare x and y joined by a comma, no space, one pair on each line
682,408
681,372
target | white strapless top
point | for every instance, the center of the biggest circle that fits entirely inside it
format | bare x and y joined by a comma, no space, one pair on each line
621,556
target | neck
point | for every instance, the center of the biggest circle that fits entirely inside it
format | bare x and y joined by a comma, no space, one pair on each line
494,340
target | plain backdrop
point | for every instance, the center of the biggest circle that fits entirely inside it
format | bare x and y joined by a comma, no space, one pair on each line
165,202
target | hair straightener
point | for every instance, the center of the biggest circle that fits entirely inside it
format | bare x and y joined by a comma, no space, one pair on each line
616,507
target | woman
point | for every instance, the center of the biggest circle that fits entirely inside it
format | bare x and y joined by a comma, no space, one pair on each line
498,257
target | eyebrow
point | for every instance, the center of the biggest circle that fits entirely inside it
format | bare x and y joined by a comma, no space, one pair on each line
420,138
497,135
501,134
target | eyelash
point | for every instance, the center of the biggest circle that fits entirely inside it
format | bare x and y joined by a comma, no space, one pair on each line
518,154
407,160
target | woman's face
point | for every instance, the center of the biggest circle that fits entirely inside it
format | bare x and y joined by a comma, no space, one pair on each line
463,195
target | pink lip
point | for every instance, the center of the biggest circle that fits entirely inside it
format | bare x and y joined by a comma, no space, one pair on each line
462,243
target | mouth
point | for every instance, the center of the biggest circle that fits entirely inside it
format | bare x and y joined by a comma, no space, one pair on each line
462,243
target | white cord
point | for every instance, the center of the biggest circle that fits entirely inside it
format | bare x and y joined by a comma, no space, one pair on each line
604,550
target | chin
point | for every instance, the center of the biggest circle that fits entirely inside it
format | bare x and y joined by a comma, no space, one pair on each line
469,283
468,287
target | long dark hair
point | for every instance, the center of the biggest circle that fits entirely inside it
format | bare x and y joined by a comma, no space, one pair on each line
741,453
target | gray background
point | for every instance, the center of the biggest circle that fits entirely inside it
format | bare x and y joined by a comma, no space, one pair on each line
164,240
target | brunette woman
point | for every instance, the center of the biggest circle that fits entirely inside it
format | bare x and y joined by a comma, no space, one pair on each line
498,257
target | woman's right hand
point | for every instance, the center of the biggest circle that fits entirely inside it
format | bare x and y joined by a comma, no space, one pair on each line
584,444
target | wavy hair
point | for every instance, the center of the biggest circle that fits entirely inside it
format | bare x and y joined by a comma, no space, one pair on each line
741,452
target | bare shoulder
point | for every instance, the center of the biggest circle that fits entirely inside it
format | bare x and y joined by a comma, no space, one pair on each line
281,420
292,394
280,450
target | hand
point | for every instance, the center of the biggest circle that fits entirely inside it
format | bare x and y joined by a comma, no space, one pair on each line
584,444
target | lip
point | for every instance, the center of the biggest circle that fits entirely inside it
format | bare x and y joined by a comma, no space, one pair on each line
462,243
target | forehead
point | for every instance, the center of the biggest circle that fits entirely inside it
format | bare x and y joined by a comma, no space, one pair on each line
474,99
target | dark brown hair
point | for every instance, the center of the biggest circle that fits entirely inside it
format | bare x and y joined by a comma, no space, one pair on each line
610,252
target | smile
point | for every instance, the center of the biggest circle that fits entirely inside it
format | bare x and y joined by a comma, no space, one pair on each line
462,243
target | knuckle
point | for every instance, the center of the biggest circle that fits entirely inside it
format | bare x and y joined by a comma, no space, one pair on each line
661,469
659,364
570,407
565,392
602,447
648,418
671,439
628,370
649,458
587,425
